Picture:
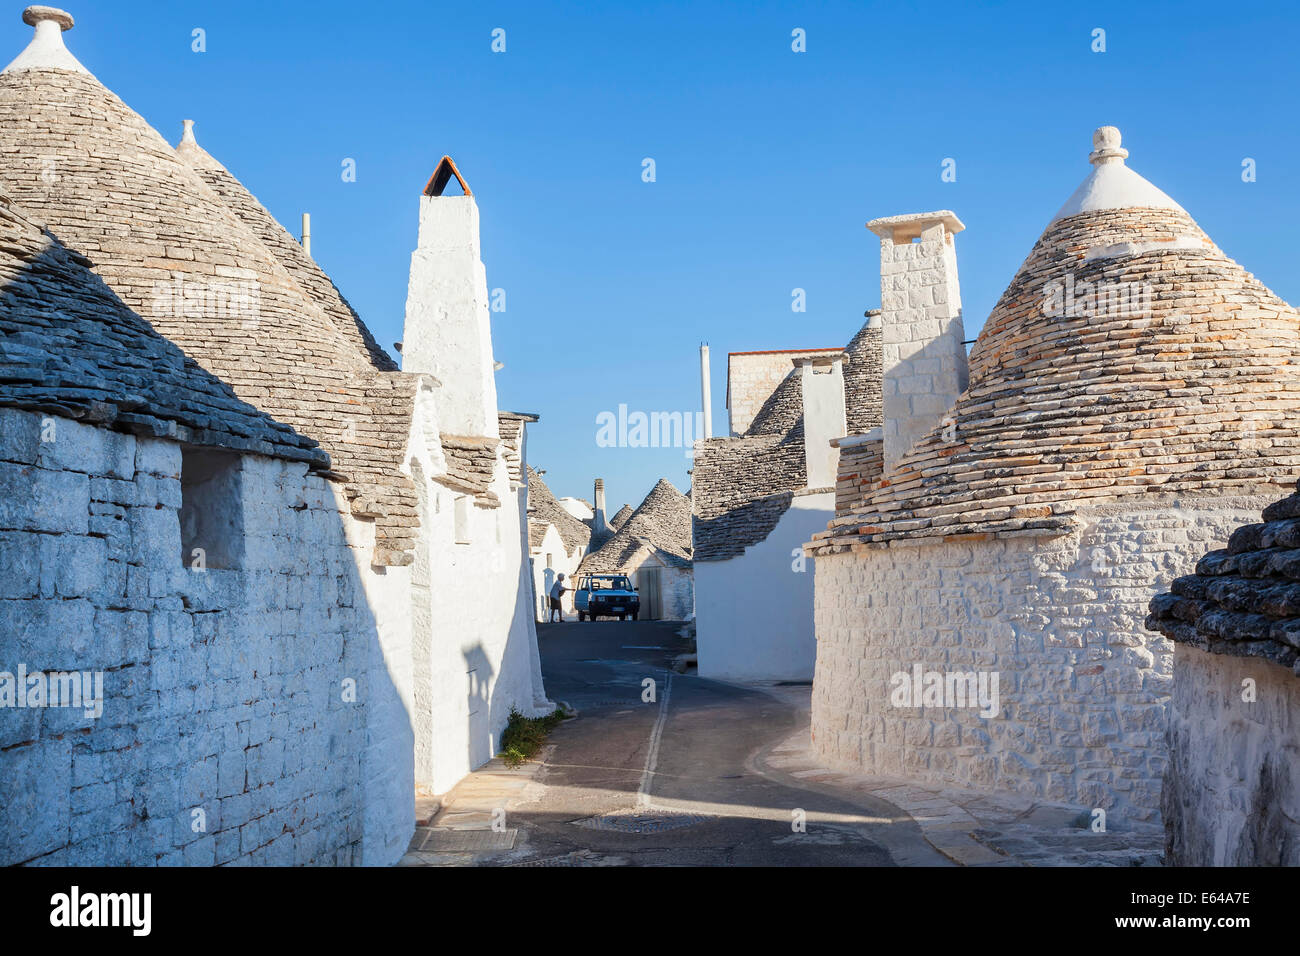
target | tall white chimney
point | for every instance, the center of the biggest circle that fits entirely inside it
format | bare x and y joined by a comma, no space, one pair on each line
706,391
824,419
447,331
598,523
306,233
921,335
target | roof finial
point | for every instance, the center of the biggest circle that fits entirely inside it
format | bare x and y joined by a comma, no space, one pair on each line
46,50
187,132
1105,146
33,16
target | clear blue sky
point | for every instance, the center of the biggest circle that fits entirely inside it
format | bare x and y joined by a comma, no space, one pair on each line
769,162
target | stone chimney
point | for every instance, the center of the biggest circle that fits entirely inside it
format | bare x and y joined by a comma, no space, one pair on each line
822,383
599,526
447,331
921,330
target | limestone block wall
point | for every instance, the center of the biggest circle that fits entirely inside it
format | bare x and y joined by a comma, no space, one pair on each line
753,376
1232,786
249,715
924,360
1082,686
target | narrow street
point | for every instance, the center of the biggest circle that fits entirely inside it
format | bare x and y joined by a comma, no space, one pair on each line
681,781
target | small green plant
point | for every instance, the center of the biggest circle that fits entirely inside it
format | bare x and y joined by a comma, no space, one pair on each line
524,736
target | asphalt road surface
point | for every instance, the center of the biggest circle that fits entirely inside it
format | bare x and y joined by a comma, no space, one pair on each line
679,780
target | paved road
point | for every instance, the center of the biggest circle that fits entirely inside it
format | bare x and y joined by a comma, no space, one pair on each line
681,780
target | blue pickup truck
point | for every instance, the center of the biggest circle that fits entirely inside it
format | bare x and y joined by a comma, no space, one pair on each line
606,595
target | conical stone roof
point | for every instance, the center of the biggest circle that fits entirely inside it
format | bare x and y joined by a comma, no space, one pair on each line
287,251
68,347
166,243
543,507
661,523
1127,356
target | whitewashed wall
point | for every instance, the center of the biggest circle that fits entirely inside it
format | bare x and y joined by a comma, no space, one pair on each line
1083,685
1232,789
754,612
226,736
483,641
561,563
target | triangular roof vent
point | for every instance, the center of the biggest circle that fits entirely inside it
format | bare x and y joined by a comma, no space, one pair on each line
442,176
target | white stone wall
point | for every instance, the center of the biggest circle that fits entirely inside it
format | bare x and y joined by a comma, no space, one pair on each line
1232,788
754,612
543,577
824,420
447,331
227,733
481,652
1082,685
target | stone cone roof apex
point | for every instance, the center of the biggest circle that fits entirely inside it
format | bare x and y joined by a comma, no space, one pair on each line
189,150
46,50
1111,184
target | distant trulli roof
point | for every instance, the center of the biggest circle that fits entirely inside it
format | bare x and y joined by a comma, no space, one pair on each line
661,523
543,507
863,398
742,486
69,347
1128,356
1244,599
173,250
623,514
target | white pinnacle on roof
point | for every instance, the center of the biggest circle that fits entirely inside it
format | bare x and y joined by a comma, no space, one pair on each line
46,51
189,149
1111,184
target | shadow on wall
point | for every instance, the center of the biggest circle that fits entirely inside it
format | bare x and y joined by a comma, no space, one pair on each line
480,677
248,712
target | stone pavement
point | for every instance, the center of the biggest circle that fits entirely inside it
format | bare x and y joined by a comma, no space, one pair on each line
458,829
588,773
972,829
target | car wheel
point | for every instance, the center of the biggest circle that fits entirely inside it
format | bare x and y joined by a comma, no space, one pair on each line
634,615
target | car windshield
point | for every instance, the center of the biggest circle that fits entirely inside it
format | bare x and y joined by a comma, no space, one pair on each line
619,583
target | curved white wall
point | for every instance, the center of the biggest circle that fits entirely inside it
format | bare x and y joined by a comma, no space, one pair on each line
1083,686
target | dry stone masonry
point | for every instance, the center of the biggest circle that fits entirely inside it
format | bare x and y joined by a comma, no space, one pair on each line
1132,399
225,506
